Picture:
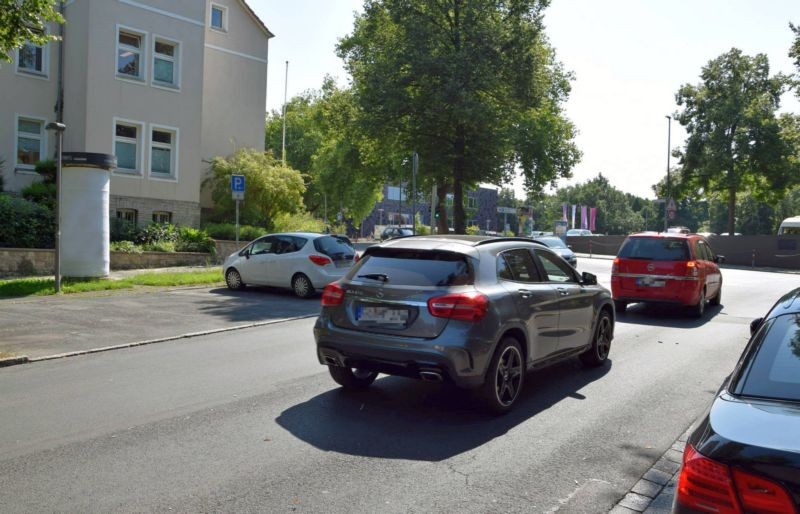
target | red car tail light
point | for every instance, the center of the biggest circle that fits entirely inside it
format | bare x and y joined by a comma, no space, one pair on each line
615,266
710,486
461,306
356,258
332,295
319,260
691,269
761,495
706,485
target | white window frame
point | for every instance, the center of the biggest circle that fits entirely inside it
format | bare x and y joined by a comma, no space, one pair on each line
173,177
142,79
176,59
126,210
159,214
42,141
140,144
45,73
224,9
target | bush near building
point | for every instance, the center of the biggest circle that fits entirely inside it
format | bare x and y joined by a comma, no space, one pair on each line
25,224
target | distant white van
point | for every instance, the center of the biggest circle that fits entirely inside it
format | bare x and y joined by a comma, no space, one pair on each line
790,226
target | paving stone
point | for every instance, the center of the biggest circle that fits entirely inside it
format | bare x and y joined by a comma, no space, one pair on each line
678,446
635,502
647,488
657,476
619,509
663,502
667,466
674,456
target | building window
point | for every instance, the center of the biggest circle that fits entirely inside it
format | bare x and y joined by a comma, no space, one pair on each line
472,202
126,146
32,59
129,54
163,158
165,63
219,17
162,217
30,142
128,215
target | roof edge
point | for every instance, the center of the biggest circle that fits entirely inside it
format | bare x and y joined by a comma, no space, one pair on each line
258,20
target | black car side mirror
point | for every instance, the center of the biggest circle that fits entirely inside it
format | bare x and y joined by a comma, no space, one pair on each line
755,324
588,279
719,259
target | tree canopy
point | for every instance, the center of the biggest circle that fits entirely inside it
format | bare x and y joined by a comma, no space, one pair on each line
25,21
473,86
736,141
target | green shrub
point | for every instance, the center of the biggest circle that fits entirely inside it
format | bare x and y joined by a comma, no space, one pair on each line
43,193
194,240
123,230
227,231
473,230
25,224
157,233
159,246
47,168
300,222
125,247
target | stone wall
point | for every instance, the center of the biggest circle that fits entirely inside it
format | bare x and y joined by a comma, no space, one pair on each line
225,248
183,213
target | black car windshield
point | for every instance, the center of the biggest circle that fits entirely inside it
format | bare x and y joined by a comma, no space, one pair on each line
415,268
333,247
552,242
655,249
775,368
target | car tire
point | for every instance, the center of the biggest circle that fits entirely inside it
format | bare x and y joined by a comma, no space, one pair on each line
717,297
351,378
620,307
699,309
234,280
597,354
505,378
302,287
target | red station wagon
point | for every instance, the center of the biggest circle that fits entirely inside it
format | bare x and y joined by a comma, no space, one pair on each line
670,268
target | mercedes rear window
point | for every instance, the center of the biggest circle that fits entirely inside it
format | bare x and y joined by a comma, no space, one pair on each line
775,368
655,249
414,268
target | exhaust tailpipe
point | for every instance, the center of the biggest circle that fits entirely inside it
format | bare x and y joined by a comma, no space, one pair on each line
431,376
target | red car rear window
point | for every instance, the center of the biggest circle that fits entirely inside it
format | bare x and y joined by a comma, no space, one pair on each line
655,249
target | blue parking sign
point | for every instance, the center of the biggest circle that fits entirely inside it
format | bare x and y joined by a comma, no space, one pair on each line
237,187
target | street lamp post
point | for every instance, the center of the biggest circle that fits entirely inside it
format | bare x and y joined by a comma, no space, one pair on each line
666,203
414,166
59,130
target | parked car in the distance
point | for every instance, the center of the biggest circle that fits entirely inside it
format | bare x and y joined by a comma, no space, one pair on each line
679,269
392,232
579,232
474,311
302,261
558,246
679,230
744,453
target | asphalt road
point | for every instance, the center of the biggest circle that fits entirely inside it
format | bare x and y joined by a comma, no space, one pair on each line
248,421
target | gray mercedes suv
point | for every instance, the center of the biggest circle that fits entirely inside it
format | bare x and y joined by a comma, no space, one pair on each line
475,311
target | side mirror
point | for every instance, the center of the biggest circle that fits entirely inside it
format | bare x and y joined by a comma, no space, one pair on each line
588,279
719,259
755,324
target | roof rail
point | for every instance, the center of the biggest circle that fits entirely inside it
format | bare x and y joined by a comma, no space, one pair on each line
509,240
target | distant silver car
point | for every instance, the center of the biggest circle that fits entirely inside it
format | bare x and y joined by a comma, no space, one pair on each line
302,261
558,246
474,311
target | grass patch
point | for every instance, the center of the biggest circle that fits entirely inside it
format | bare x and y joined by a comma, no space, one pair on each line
46,286
7,355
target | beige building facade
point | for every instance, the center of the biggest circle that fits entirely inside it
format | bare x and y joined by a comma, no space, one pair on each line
165,85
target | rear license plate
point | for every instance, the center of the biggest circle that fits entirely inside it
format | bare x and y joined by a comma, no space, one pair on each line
381,315
650,282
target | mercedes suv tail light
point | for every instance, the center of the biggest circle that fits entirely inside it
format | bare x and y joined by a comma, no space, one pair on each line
332,295
461,306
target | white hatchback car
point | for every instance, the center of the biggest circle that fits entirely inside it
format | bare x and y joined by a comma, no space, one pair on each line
303,261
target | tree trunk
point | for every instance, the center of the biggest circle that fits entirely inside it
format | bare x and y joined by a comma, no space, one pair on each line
441,208
459,163
731,210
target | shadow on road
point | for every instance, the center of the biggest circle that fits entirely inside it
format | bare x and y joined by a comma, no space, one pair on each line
666,315
400,418
256,304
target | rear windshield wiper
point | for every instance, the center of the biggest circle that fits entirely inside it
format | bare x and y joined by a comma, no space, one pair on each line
375,276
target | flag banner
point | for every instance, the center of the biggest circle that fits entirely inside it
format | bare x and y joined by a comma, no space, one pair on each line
564,211
593,219
584,218
573,215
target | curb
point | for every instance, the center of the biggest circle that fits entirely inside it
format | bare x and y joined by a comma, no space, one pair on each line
654,490
24,359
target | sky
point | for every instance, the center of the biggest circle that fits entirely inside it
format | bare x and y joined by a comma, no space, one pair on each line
629,58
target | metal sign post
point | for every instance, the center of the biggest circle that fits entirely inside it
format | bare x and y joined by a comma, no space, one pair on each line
237,192
414,167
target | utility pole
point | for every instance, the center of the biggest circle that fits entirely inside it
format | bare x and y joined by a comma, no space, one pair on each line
666,202
59,130
414,166
433,209
285,91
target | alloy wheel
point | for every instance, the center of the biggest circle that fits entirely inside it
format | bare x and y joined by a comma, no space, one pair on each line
508,376
302,286
603,338
233,279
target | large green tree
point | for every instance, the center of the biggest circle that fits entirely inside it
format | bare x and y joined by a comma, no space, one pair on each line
736,141
23,21
472,85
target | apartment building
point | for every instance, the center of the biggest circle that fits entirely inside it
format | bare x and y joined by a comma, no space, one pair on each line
165,85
